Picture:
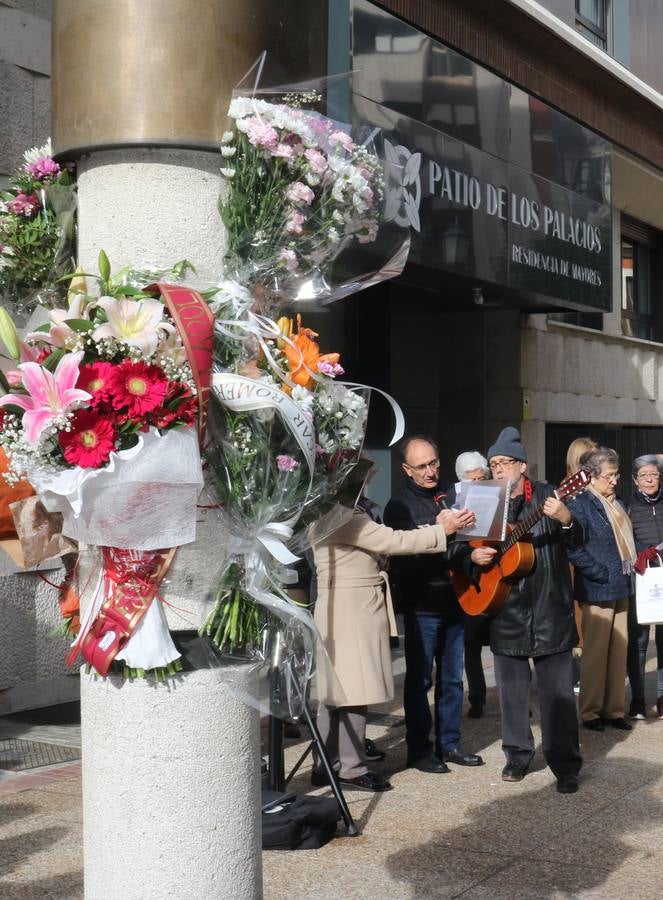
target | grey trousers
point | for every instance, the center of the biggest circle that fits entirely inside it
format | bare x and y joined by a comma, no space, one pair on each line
559,719
343,732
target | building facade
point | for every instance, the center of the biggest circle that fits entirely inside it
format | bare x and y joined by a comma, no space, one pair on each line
532,292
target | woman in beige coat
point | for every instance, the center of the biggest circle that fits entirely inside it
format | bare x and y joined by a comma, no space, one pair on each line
355,618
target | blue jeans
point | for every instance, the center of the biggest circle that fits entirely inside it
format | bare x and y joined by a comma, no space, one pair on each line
433,639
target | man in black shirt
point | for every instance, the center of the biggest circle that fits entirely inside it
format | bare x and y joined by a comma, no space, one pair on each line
434,626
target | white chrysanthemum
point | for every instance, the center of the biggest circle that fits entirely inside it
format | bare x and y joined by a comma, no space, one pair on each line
36,153
228,173
227,152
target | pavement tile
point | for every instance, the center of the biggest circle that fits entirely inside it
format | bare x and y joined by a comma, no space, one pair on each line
526,879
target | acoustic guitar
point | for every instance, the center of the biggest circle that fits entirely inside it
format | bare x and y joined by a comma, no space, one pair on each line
515,557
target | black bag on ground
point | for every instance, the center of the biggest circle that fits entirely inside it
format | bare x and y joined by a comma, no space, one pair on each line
299,823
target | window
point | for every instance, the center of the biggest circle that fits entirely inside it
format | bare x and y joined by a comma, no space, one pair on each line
592,21
583,319
638,282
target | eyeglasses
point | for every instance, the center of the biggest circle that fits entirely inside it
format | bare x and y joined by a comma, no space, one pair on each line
648,476
433,464
612,478
494,466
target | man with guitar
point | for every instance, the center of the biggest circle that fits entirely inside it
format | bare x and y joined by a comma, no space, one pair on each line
536,622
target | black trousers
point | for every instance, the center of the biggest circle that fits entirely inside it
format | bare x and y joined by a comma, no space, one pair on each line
559,719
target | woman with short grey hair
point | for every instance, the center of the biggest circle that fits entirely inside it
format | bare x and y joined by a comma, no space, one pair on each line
472,466
646,511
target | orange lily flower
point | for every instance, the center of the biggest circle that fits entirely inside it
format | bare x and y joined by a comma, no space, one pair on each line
305,362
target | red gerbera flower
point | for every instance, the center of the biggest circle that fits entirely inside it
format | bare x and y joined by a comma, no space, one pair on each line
90,441
95,378
180,407
137,387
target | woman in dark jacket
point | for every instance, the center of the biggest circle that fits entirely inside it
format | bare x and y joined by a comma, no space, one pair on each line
603,587
646,512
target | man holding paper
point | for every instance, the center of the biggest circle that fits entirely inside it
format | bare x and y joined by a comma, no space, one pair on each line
434,627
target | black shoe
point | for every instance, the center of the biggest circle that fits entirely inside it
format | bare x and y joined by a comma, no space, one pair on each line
475,712
567,784
319,779
619,723
595,725
514,772
372,753
461,758
430,764
368,782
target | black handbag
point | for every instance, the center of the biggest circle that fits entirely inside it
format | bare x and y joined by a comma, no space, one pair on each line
299,823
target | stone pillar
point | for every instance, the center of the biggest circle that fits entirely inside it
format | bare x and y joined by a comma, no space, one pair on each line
170,789
171,772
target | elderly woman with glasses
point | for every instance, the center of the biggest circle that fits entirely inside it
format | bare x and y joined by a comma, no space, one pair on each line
603,568
646,511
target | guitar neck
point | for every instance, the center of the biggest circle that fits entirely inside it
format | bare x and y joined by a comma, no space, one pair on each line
522,528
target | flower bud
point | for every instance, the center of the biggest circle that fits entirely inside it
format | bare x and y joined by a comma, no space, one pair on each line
77,285
284,325
9,335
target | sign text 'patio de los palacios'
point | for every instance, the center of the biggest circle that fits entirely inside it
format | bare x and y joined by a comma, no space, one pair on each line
489,219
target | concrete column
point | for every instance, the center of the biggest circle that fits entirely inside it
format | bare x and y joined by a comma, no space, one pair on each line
170,789
171,773
171,779
150,207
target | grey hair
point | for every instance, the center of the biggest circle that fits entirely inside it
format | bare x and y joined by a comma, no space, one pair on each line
594,459
649,459
468,461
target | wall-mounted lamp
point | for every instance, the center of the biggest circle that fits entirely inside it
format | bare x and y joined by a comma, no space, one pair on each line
455,245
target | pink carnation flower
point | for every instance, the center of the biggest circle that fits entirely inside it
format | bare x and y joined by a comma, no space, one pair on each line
331,370
284,150
23,205
286,463
299,193
316,161
289,259
343,139
260,134
295,222
42,168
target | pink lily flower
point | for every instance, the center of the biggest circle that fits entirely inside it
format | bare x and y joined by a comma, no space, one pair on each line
50,395
60,334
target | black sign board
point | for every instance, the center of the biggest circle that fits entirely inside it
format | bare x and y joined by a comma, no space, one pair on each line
495,185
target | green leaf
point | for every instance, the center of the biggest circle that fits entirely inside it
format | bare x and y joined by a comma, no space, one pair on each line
53,359
79,325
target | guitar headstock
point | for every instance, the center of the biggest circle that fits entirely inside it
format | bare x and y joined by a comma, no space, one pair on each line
573,485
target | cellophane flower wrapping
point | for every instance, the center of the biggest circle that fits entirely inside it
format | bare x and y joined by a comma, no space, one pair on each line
37,233
303,206
101,419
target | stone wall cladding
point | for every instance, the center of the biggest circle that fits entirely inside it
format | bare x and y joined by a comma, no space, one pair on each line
518,48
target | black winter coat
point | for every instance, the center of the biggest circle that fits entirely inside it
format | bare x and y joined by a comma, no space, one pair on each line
647,518
421,583
537,618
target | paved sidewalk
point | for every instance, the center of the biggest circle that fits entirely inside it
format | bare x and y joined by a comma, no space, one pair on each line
466,834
